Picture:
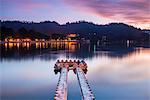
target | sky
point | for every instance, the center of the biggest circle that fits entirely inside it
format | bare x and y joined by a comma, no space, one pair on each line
132,12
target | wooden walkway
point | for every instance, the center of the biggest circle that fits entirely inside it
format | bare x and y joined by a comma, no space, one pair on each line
84,86
61,89
80,68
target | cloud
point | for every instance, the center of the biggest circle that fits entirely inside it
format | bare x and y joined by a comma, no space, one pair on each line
130,11
133,12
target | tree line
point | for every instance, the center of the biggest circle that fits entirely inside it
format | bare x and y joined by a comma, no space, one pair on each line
111,32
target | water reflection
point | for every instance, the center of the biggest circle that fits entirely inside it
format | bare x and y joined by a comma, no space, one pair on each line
129,76
50,50
27,70
18,51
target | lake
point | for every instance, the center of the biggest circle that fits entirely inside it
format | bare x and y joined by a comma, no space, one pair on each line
114,72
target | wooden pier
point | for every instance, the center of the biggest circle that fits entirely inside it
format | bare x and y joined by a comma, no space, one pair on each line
79,68
84,86
61,89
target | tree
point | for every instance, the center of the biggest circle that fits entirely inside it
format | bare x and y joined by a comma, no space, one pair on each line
6,33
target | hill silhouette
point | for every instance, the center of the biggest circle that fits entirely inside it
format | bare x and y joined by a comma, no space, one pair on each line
87,30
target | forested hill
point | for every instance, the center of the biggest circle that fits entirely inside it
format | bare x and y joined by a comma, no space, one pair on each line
84,29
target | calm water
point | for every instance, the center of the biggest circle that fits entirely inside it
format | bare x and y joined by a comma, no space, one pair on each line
114,72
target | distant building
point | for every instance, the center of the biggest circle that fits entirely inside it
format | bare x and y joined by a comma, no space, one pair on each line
72,36
146,31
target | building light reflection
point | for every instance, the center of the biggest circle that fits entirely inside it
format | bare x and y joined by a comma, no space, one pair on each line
10,45
18,44
56,45
37,45
6,46
28,45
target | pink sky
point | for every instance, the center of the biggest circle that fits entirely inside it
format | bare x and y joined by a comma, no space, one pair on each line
132,12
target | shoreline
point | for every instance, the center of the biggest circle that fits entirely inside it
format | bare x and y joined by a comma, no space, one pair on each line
3,42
